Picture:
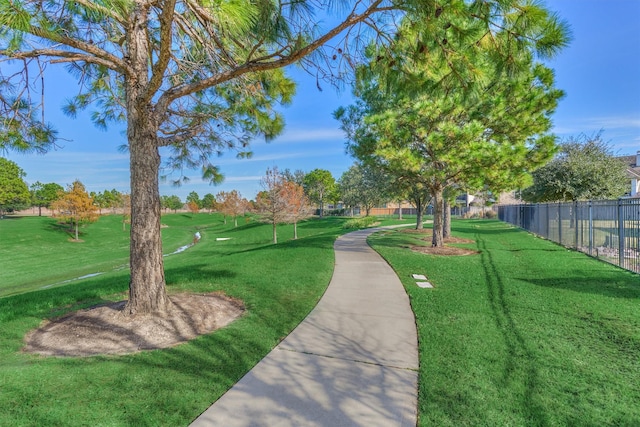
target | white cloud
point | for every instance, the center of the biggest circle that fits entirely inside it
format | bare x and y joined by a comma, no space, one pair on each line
306,135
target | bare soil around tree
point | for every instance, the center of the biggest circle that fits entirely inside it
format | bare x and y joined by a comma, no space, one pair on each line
105,329
446,250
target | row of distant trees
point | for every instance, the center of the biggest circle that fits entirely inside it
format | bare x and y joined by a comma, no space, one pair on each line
287,196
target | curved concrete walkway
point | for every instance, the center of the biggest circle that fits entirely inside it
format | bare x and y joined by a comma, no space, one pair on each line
352,362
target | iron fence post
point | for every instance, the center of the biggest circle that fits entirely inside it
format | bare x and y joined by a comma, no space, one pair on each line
590,228
620,234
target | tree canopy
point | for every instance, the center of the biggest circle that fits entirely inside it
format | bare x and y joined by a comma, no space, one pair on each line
320,185
584,169
14,193
75,206
481,120
365,186
194,78
42,195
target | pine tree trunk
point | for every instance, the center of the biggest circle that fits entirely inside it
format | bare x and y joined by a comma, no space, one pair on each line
147,288
438,212
446,223
419,214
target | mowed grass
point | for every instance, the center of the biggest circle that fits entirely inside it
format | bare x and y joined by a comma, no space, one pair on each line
38,252
525,333
279,285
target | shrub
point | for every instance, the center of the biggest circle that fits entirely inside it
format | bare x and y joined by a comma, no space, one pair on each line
362,222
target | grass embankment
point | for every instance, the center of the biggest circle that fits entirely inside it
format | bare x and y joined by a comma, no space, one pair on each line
525,333
279,284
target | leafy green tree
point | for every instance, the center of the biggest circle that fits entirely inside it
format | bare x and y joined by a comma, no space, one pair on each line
584,169
194,198
107,199
482,121
42,195
319,185
14,192
191,77
297,176
364,186
172,202
209,202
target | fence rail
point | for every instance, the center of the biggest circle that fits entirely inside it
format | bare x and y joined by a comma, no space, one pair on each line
608,230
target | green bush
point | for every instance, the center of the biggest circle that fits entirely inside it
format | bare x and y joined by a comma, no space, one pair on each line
362,222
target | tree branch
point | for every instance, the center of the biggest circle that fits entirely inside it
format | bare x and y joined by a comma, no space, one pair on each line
164,56
253,66
64,55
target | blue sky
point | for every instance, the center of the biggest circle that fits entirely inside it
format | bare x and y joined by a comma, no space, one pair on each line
599,71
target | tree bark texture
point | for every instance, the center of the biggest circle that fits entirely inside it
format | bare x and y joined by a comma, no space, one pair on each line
446,220
275,232
438,212
147,288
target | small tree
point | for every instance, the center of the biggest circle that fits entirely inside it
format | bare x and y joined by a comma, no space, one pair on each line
193,207
193,197
42,195
14,193
75,206
297,204
272,202
171,202
231,203
209,202
365,186
319,185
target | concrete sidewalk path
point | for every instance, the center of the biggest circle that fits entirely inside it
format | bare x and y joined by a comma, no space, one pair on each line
352,362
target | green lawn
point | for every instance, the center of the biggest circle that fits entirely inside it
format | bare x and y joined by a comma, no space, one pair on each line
525,333
279,284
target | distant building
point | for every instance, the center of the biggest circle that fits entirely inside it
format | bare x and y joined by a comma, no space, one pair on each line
633,173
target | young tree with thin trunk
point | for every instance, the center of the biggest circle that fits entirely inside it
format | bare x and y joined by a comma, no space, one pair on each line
76,206
232,203
42,195
365,186
209,202
272,203
297,204
319,185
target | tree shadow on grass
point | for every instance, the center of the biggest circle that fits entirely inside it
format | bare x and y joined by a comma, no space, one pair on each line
520,360
617,287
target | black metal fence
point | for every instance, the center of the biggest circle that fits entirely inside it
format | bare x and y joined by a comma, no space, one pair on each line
609,229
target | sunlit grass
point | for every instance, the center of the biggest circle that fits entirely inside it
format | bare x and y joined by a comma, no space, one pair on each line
279,284
524,333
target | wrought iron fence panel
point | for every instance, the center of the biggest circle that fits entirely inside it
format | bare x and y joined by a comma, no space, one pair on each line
605,229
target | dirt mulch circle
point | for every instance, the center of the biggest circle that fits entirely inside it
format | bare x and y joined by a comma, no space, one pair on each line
444,250
106,330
